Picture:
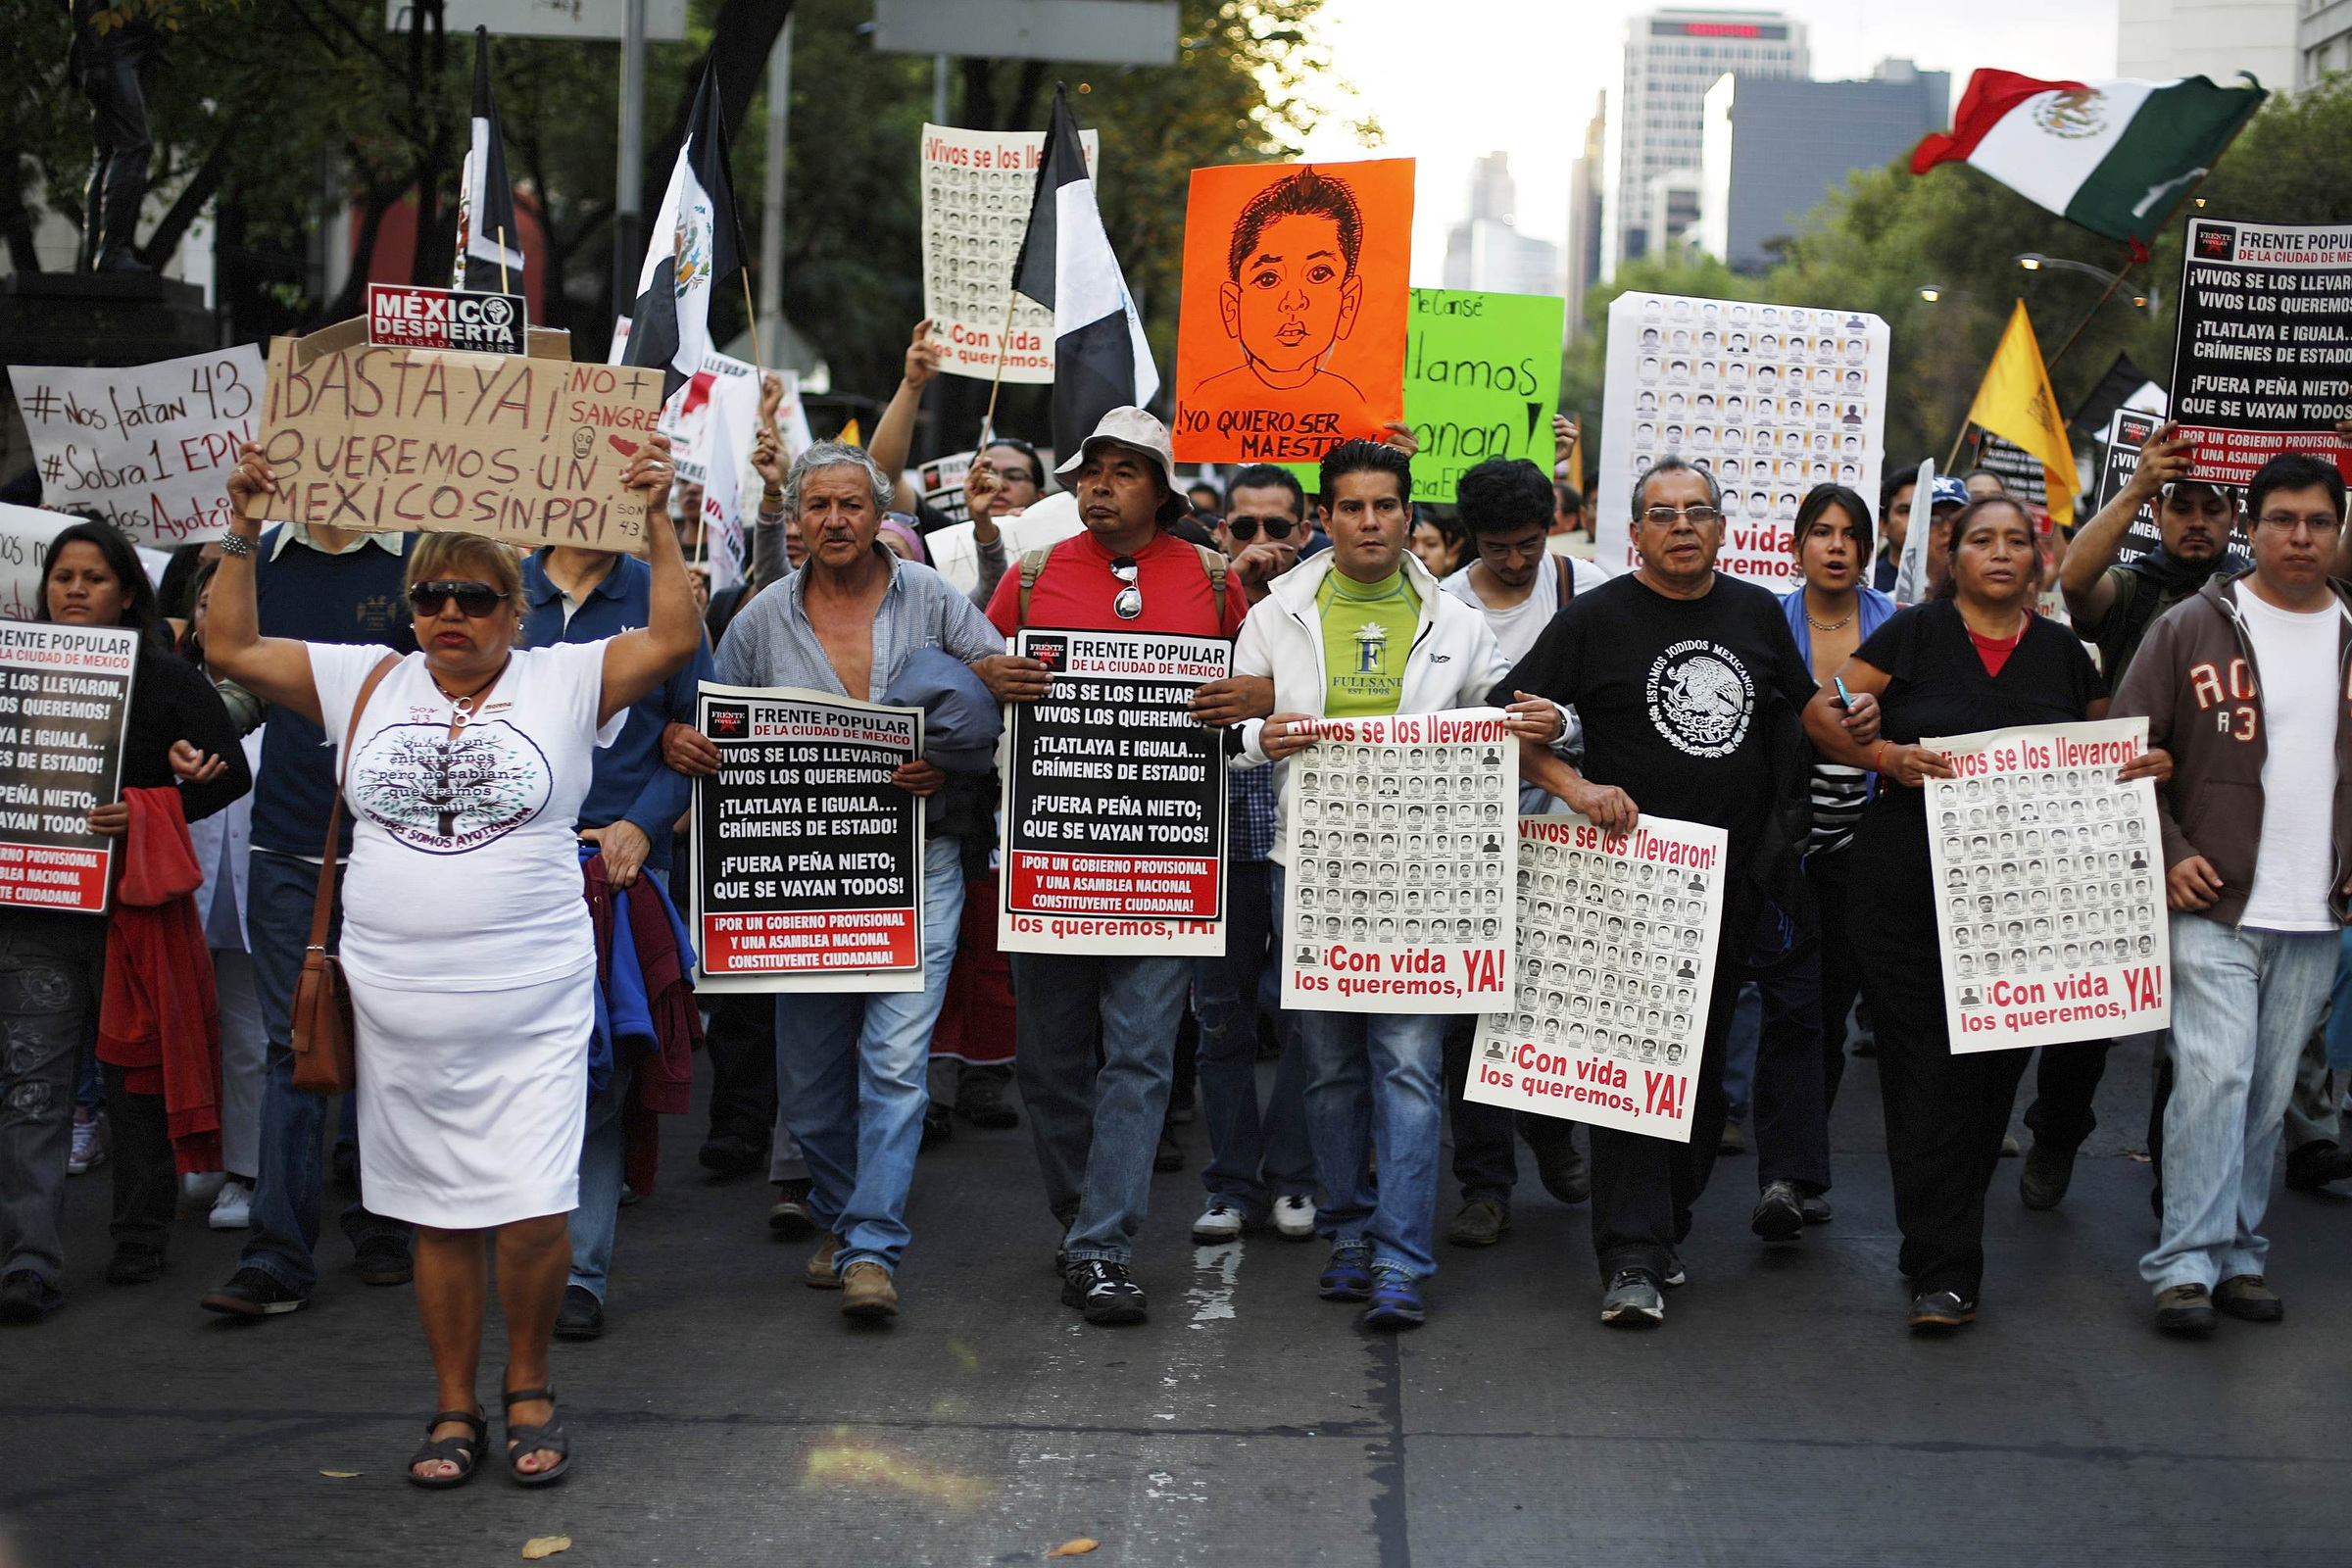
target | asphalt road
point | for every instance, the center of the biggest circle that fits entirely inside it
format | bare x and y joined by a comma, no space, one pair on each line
731,1416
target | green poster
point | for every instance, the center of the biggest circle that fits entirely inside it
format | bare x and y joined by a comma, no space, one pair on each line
1481,379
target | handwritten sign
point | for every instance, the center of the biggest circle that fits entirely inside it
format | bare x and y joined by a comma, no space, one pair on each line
977,189
24,535
529,450
147,447
1290,336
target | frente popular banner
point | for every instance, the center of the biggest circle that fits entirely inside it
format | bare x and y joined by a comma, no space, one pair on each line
62,717
808,860
2051,872
2263,364
1401,845
1617,943
1114,800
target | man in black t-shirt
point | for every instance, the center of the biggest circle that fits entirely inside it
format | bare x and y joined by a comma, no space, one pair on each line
1684,679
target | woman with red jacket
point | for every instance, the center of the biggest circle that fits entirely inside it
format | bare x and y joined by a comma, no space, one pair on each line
52,964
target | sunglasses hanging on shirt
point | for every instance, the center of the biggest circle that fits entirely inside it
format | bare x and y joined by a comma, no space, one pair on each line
1128,603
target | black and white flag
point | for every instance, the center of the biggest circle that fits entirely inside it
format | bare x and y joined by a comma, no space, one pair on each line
1101,360
694,245
489,256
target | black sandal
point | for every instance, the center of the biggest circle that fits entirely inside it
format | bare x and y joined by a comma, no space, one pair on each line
525,1440
462,1452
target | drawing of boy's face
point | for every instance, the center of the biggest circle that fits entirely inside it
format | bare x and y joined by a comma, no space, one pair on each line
1294,290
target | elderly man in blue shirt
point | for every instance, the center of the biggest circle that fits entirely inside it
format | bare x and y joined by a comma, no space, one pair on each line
634,802
858,621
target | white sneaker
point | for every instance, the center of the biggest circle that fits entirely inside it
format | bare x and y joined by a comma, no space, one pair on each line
1219,1222
202,1186
232,1209
88,1146
1295,1217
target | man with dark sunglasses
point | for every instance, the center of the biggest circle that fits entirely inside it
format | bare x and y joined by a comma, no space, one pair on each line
1265,526
1097,1130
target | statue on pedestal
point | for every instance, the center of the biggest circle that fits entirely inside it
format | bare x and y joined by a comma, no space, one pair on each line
116,69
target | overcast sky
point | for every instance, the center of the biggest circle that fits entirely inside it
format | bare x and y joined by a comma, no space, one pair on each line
1521,75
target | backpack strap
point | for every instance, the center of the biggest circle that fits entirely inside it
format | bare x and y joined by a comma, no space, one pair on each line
1567,577
1033,562
1213,562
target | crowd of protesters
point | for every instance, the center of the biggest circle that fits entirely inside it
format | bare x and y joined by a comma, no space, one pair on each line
478,804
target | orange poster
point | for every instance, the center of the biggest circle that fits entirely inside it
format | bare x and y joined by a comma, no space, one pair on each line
1291,333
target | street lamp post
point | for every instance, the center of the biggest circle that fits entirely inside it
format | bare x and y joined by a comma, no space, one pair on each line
2034,262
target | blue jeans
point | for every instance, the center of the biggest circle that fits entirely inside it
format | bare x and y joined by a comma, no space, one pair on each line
2243,1004
604,1162
2339,1020
1253,1159
289,1189
850,1081
1376,1084
1096,1128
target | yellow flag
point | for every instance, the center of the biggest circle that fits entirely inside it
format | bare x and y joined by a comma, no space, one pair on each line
2015,403
850,436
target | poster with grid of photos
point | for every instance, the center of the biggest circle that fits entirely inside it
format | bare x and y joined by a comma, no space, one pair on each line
977,188
2051,872
1617,942
1398,898
1770,398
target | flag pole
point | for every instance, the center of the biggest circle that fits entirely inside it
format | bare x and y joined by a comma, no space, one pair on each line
988,421
2113,283
752,315
502,260
1952,460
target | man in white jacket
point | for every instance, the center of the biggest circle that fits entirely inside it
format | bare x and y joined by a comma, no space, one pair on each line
1406,648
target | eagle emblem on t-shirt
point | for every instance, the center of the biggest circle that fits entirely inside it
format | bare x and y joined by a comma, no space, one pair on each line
1700,698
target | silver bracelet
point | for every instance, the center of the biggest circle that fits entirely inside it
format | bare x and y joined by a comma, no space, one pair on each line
236,544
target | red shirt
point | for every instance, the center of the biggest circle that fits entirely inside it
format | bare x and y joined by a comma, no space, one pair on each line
1996,651
1074,592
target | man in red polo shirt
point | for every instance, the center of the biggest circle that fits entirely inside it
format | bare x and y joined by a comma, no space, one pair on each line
1097,1130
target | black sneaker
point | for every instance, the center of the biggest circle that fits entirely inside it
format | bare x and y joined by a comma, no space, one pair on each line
1940,1312
581,1316
732,1155
939,1124
789,1220
1171,1152
2315,1164
134,1265
1561,1166
1818,1211
385,1260
26,1297
1104,1292
2049,1171
1779,1216
983,1106
250,1292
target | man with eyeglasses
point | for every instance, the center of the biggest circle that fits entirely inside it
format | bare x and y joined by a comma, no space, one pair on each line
1098,1130
1507,507
2243,683
1265,529
633,803
1688,684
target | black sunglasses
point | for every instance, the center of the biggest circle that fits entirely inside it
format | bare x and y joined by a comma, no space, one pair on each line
1244,529
474,599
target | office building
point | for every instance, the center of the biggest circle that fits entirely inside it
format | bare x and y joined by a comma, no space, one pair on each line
1773,149
1586,179
1671,59
1486,251
2163,39
2323,41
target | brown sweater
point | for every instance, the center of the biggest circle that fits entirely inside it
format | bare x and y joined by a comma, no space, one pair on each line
2196,682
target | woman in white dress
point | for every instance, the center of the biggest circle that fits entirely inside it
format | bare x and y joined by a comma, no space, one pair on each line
466,937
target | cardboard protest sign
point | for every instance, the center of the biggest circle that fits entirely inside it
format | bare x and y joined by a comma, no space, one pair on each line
1617,942
977,189
2051,874
62,717
1114,800
525,449
1292,330
807,862
147,447
2263,364
1771,399
1402,849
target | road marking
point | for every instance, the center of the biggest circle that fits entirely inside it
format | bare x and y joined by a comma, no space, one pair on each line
1214,1300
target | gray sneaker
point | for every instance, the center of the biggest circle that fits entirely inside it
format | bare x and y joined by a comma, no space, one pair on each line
1779,1216
1633,1301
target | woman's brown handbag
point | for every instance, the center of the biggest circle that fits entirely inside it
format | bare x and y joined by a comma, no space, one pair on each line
324,1062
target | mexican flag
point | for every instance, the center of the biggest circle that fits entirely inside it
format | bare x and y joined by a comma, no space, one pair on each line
2114,157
